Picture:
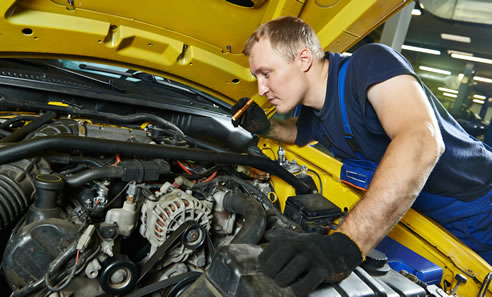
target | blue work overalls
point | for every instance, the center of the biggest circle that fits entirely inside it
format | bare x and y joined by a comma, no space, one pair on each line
469,221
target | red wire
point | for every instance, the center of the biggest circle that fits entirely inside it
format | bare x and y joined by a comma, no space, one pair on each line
77,258
210,177
118,160
184,168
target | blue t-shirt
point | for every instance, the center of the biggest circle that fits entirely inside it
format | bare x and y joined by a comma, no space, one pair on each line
463,172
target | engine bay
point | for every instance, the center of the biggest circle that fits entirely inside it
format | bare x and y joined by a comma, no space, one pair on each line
117,197
99,215
88,222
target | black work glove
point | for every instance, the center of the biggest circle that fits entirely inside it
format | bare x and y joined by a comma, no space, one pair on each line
253,119
305,260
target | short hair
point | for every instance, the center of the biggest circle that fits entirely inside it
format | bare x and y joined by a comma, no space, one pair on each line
287,36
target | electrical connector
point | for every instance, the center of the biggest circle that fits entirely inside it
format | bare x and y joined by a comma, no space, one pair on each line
85,238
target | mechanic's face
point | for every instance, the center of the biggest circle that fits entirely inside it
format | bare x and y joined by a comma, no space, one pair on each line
281,81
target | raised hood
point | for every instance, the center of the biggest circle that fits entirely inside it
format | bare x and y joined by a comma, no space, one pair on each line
191,41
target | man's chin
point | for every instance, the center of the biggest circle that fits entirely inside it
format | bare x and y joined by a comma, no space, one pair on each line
281,108
283,111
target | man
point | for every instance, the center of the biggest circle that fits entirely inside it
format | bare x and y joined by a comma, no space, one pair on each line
392,121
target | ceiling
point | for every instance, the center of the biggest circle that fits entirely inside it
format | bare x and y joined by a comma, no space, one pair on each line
425,31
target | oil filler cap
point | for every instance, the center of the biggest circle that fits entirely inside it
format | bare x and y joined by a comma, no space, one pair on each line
48,182
376,263
48,188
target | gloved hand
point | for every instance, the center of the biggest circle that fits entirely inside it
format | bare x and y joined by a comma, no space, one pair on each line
305,260
253,119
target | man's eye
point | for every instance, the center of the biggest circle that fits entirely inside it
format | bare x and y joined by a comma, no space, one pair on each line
266,74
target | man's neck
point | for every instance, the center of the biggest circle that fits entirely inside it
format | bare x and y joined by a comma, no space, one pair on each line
317,80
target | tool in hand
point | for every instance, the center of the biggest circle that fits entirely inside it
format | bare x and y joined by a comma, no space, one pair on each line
240,112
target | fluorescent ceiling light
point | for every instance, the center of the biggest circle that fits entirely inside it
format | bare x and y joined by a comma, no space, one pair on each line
473,59
347,54
459,38
450,95
416,11
447,90
450,52
460,76
483,79
420,49
435,70
479,97
478,101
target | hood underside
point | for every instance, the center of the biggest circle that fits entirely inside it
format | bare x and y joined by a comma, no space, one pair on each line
194,42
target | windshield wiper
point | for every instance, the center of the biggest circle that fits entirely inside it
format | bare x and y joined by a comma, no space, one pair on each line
138,75
152,78
108,83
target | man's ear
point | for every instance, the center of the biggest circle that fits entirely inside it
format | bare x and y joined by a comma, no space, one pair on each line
305,58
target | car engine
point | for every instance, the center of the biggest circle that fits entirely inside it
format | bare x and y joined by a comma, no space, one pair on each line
158,218
101,198
86,221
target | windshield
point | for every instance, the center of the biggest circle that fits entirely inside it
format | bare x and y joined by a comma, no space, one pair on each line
99,81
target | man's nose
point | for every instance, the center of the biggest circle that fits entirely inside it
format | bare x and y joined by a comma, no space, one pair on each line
262,87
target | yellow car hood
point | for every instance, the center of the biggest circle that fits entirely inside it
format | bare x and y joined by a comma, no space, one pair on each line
194,42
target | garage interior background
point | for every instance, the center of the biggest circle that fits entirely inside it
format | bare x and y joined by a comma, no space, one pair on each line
449,44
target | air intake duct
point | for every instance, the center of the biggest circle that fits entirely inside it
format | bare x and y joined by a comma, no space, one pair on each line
17,188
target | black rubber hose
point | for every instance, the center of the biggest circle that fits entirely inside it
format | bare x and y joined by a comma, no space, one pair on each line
8,205
18,193
66,159
114,118
4,216
16,119
138,117
13,199
35,124
31,147
249,187
7,191
262,198
254,217
80,179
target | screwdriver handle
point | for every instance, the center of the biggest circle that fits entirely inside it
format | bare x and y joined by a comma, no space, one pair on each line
240,112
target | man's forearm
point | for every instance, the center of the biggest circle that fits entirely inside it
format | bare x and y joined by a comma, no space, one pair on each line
283,130
401,175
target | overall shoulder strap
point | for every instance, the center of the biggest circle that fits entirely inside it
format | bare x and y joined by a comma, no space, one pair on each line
349,137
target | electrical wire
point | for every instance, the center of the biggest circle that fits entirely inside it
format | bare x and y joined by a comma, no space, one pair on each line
66,277
210,177
184,168
118,195
118,160
17,119
58,262
77,257
64,283
319,178
249,188
204,174
27,290
273,152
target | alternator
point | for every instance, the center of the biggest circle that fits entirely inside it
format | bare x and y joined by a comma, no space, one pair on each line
162,217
